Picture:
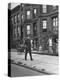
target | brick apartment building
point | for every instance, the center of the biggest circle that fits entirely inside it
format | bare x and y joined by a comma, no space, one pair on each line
39,22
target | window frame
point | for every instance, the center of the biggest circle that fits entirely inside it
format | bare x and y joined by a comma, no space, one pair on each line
28,30
15,32
54,7
28,15
35,29
18,18
22,16
44,24
18,31
15,19
55,23
12,20
35,11
44,8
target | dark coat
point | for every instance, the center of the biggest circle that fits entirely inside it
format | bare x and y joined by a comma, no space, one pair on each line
27,44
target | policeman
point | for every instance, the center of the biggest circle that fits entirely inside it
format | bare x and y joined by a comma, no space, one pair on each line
28,48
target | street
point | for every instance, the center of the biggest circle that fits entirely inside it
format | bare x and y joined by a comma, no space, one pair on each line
17,71
45,63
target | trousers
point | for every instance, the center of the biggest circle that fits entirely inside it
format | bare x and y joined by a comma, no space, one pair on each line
28,51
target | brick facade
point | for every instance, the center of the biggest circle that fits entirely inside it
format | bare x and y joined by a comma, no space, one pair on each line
41,37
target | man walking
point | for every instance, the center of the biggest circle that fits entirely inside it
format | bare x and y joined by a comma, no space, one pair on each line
50,46
28,48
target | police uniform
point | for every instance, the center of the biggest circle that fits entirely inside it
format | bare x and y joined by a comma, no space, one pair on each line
28,48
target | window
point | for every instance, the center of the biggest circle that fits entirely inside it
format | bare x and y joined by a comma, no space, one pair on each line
15,32
28,29
55,23
34,11
54,7
35,29
22,5
15,19
22,17
44,24
28,14
18,17
44,9
18,31
12,20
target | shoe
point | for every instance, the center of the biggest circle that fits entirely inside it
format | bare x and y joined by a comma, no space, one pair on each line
26,59
31,59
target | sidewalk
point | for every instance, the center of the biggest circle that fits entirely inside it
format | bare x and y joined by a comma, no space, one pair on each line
44,63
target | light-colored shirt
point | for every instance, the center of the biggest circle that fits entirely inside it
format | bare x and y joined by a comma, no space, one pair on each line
50,41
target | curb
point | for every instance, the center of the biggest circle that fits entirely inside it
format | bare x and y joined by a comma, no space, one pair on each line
45,54
32,68
42,53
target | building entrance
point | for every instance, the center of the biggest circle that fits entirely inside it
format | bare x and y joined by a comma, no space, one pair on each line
21,34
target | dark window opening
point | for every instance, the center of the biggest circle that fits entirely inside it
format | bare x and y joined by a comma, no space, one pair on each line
35,29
